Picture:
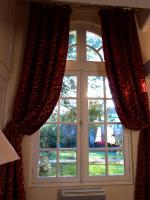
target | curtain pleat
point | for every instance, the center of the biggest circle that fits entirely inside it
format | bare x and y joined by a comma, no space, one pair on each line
39,87
125,74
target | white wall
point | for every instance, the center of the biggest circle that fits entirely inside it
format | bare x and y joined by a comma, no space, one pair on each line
7,19
144,35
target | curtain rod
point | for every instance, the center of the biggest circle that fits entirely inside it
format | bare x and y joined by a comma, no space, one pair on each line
78,5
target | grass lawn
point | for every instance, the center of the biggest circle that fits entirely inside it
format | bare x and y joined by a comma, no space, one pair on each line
67,166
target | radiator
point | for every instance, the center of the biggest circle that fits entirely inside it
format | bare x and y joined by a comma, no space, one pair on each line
82,194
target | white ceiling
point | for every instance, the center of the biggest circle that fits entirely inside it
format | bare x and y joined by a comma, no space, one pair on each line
125,3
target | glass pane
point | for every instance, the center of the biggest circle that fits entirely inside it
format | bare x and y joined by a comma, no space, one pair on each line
96,169
93,40
67,169
111,112
108,93
96,110
68,110
115,135
72,37
116,162
69,86
72,50
95,86
68,136
47,164
96,136
97,163
101,52
67,156
48,136
97,156
67,165
54,115
72,53
92,55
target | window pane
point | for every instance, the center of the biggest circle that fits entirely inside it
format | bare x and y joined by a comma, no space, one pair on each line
72,50
93,40
92,55
67,165
67,169
97,163
97,156
96,169
67,156
72,37
96,110
111,112
115,135
108,93
48,136
68,110
95,86
116,162
47,164
72,53
96,136
69,86
54,115
101,52
68,136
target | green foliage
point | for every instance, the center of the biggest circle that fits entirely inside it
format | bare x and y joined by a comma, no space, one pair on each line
115,169
95,111
44,166
67,169
48,136
69,86
70,113
67,155
68,136
47,169
97,169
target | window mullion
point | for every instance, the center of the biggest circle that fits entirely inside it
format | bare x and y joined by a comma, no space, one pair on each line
81,49
78,123
105,126
84,134
58,140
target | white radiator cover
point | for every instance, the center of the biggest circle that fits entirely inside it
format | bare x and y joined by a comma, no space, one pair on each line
82,194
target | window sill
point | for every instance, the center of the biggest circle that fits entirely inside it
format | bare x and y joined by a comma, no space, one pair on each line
77,184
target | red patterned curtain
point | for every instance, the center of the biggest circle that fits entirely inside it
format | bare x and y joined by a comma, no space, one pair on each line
124,68
39,87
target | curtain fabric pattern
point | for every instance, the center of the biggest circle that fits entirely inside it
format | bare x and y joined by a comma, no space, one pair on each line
125,73
39,87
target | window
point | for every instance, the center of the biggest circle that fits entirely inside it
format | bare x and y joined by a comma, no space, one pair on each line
83,141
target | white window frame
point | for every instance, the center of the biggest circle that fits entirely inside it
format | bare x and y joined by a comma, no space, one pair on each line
82,68
126,140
